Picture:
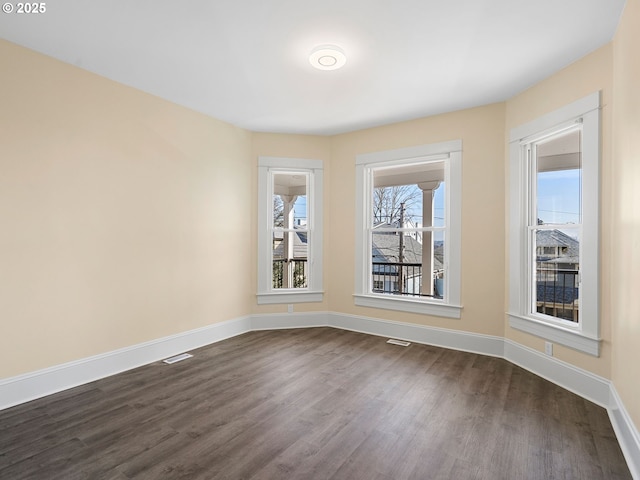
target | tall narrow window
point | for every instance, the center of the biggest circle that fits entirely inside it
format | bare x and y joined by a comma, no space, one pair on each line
289,233
554,226
408,229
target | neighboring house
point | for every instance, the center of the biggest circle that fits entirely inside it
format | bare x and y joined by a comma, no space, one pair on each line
557,260
392,274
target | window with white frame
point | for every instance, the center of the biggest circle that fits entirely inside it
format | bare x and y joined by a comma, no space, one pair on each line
289,230
408,206
554,226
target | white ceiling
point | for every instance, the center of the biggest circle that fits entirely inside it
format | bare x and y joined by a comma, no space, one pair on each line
246,61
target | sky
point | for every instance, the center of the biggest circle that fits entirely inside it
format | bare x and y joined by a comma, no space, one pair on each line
558,199
559,196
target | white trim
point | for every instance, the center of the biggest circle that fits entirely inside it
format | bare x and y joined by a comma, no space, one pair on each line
293,163
552,119
401,155
23,388
569,338
288,296
576,380
626,433
440,337
404,304
278,321
453,243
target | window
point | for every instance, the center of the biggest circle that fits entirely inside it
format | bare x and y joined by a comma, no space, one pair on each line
289,230
408,205
554,226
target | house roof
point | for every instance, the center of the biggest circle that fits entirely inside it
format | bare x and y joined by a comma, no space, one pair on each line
557,238
299,245
385,248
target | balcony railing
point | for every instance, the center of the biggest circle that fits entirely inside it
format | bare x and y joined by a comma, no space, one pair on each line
403,279
295,271
557,291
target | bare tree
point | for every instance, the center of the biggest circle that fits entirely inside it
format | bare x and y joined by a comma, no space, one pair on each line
278,211
387,202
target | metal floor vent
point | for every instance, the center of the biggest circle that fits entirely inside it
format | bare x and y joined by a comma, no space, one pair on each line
177,358
402,343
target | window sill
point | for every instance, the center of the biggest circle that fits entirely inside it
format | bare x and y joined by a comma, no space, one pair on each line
409,305
289,296
564,336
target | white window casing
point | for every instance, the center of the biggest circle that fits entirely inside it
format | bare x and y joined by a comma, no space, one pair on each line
583,335
449,152
267,167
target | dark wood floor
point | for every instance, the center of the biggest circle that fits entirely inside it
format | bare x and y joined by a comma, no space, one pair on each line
313,404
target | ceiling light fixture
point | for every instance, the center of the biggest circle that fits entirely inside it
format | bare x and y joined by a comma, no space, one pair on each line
327,57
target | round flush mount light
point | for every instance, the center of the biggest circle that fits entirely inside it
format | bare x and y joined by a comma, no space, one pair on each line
327,57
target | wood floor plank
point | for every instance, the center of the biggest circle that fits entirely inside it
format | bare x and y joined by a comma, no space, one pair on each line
317,403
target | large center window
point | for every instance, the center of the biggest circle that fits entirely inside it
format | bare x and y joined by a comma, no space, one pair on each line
408,229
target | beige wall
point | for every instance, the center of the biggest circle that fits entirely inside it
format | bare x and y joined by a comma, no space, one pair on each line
124,218
625,213
590,74
482,133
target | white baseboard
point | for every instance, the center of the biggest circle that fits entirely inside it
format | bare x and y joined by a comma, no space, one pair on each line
626,433
23,388
277,321
440,337
576,380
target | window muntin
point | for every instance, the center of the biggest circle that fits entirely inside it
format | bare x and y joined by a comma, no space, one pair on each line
379,288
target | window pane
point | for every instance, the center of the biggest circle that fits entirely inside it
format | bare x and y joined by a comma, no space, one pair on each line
290,266
398,267
397,206
409,196
397,264
290,200
557,254
558,177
